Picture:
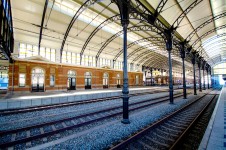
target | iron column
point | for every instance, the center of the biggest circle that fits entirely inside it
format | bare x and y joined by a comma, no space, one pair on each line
200,83
169,44
151,76
125,90
193,62
182,53
124,13
207,70
145,77
204,82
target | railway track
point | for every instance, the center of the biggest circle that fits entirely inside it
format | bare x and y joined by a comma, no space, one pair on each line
38,108
167,132
192,137
26,134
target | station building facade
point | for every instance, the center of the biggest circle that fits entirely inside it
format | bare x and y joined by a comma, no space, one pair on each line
37,74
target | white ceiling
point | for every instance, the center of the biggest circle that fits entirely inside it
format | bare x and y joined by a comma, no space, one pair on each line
27,16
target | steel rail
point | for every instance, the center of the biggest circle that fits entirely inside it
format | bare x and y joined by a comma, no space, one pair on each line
49,133
36,108
177,142
139,134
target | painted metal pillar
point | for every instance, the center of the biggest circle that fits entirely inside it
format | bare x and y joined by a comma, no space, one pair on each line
182,53
204,82
125,89
193,62
124,13
145,75
169,44
151,76
210,77
207,73
200,83
113,64
161,76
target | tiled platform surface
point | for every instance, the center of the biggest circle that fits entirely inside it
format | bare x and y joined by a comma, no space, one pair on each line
215,135
46,98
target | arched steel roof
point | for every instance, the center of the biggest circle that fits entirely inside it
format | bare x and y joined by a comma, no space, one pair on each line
92,27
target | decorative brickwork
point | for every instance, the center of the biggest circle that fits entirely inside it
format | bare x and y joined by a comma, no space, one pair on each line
61,75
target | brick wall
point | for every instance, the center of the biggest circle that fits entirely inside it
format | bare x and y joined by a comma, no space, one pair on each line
61,75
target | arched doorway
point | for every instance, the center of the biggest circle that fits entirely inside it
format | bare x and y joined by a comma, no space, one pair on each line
38,80
118,81
105,80
137,80
71,81
88,80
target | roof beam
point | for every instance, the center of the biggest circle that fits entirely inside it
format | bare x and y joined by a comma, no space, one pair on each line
131,29
148,39
208,33
184,14
189,37
41,28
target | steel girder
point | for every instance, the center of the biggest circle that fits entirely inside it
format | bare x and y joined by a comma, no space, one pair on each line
184,13
162,64
6,34
157,64
106,22
83,7
131,29
150,17
43,19
215,37
175,52
142,55
216,59
164,59
137,42
222,40
204,24
160,7
150,59
137,6
214,45
3,56
144,47
208,33
158,10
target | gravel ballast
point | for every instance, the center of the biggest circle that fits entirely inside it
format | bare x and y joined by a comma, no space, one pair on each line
102,137
30,118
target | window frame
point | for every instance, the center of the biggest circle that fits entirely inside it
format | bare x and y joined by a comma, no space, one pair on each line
51,80
20,80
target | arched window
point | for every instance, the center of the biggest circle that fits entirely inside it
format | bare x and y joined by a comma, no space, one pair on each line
71,82
118,80
38,80
105,80
88,80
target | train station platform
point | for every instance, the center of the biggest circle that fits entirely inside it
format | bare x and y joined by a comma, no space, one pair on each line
215,135
19,100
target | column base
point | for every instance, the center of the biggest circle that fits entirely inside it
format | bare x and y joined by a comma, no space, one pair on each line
125,121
